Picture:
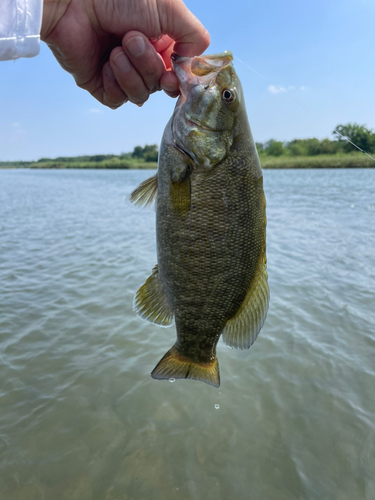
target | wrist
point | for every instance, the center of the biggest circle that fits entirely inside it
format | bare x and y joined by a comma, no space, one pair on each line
53,11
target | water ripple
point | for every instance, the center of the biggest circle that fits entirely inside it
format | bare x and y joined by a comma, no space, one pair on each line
80,417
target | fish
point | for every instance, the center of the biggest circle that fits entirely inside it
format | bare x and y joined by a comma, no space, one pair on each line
211,274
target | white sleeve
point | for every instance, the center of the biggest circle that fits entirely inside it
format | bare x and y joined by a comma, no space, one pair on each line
20,22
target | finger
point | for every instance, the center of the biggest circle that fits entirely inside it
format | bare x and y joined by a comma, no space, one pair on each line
191,38
144,58
128,77
169,84
113,95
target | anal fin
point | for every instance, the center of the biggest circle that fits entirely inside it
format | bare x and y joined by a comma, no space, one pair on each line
151,303
241,331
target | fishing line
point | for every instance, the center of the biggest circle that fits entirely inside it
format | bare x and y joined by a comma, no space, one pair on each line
280,89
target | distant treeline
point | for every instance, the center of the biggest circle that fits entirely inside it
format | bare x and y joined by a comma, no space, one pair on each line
299,153
357,134
147,154
141,157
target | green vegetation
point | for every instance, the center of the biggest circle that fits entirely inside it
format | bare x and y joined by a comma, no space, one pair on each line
315,153
358,134
146,157
353,160
299,153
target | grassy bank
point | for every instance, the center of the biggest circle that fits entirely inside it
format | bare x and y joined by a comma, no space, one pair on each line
105,164
353,160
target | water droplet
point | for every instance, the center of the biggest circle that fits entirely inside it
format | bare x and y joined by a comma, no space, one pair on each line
172,379
217,406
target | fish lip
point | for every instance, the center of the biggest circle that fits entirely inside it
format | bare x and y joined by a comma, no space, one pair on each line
176,58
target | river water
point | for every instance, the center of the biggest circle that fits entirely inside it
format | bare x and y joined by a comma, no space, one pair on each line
80,417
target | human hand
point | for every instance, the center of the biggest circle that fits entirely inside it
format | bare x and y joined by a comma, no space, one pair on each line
119,50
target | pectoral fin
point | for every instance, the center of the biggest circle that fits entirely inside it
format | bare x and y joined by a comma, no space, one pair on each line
145,194
180,193
241,331
150,301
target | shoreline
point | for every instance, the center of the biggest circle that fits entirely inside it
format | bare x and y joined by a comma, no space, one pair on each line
356,160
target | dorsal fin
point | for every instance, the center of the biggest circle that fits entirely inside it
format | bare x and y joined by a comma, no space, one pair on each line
145,194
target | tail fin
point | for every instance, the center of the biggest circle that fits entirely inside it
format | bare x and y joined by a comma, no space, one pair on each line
173,365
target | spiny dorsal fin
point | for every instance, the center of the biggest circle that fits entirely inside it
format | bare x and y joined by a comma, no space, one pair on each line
150,302
173,365
145,194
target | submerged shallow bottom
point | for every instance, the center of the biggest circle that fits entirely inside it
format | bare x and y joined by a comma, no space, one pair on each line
80,416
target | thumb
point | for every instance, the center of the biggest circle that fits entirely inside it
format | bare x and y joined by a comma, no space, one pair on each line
190,36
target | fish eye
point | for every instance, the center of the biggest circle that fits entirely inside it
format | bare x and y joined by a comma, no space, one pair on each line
228,95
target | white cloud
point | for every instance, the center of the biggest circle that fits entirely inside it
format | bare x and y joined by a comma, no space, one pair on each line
16,125
94,111
278,89
275,90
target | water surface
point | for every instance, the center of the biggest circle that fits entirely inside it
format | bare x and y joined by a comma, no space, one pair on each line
80,417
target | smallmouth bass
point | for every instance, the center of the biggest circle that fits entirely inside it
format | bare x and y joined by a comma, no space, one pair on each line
211,276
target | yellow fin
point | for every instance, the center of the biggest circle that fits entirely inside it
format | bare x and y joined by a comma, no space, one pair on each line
150,302
241,331
145,194
173,365
180,196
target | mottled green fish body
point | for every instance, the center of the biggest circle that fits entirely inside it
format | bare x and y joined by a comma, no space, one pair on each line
210,222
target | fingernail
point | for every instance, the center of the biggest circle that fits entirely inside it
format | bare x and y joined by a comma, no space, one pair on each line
136,46
121,62
109,72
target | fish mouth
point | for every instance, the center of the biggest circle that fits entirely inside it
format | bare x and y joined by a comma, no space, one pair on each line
203,65
199,69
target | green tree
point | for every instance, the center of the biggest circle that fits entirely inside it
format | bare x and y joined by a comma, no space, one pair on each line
137,152
328,147
358,134
297,147
148,153
274,148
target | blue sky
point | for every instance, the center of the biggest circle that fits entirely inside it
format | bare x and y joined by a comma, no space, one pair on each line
321,52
